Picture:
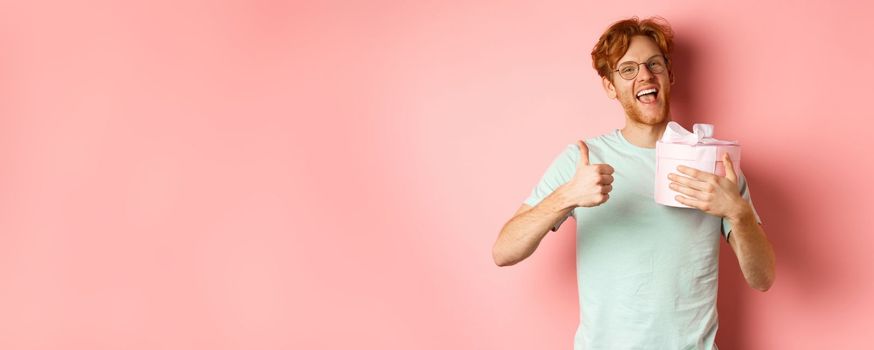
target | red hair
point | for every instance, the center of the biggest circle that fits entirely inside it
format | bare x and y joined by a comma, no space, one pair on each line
614,42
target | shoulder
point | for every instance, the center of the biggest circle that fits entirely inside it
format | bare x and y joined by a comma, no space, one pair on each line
601,145
603,140
596,145
569,155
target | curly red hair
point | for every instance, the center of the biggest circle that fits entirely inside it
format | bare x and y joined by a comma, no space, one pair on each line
614,42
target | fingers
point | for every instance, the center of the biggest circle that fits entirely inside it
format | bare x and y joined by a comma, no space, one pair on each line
689,192
692,183
694,203
605,169
584,153
698,174
584,160
729,168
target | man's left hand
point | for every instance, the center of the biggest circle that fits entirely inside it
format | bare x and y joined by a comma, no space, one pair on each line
710,193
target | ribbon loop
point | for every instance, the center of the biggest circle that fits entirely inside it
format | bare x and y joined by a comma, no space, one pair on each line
703,134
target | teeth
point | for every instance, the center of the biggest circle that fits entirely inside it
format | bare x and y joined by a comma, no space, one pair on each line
644,92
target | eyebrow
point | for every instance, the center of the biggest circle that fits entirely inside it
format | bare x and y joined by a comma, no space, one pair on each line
647,60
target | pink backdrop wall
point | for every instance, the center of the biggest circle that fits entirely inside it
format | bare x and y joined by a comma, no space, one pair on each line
332,175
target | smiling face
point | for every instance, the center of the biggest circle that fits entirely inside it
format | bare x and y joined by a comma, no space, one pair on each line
642,105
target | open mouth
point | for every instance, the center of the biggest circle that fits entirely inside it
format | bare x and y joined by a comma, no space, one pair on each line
647,95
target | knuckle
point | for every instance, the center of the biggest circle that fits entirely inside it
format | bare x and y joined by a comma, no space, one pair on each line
605,169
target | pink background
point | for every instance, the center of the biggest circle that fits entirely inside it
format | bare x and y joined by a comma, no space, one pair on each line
332,175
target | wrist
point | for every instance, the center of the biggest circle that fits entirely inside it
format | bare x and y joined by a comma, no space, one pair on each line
563,200
743,212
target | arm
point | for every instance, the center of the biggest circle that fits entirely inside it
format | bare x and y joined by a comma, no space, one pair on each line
719,196
522,234
590,186
752,248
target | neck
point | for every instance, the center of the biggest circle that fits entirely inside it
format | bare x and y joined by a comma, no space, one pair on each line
644,135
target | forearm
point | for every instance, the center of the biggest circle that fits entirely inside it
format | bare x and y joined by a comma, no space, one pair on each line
521,235
753,250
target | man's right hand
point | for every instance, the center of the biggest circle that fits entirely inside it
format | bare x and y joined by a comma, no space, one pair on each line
592,183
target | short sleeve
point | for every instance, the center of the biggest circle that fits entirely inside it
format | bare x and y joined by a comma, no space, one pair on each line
559,172
745,194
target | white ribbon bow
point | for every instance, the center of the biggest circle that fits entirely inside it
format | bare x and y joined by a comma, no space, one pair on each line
702,134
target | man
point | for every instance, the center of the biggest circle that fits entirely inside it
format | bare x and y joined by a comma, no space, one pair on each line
647,273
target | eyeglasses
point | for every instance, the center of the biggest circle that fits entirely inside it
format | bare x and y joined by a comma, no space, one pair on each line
628,70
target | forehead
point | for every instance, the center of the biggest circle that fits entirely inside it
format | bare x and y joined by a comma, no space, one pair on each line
641,48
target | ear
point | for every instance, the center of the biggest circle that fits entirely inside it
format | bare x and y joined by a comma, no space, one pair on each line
608,88
671,75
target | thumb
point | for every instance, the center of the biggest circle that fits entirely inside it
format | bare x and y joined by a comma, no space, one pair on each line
584,153
729,168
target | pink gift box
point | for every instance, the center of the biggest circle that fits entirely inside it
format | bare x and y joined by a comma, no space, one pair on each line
697,149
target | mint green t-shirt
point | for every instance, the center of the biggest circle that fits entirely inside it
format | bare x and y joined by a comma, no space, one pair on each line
646,272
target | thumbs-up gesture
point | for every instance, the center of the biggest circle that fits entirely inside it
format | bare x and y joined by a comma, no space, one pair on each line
710,193
592,183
